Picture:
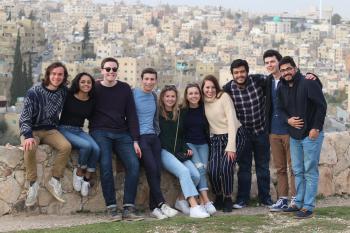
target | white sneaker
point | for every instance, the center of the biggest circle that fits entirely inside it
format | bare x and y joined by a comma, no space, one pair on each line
77,180
210,208
292,201
55,188
85,188
197,212
157,213
168,211
32,194
182,206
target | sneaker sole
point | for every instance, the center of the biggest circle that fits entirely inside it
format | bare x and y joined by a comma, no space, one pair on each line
55,196
30,204
276,210
115,219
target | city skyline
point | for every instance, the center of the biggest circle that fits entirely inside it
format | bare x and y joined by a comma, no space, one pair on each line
257,6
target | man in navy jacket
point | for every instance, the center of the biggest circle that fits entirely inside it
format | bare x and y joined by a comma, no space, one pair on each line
303,107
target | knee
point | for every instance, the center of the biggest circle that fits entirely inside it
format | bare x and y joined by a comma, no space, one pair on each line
65,148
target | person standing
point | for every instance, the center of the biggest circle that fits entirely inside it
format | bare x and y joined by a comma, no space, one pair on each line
226,142
147,112
248,95
79,106
303,107
38,125
114,126
279,138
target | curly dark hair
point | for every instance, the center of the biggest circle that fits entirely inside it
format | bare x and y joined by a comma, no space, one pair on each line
74,88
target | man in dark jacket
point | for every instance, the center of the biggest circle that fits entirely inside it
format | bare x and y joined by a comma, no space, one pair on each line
303,107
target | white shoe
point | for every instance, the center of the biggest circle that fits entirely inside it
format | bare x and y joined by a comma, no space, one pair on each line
157,213
85,188
182,206
209,208
168,211
197,212
55,188
77,180
292,201
32,194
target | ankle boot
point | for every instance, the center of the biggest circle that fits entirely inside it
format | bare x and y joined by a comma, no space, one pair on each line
227,205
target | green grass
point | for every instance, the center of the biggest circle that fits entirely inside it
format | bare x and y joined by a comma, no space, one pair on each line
330,219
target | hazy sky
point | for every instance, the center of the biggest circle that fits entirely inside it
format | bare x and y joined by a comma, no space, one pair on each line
340,6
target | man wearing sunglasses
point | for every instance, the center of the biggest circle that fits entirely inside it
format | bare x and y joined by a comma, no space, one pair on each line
114,126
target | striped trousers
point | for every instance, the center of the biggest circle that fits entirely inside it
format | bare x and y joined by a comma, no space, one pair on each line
220,168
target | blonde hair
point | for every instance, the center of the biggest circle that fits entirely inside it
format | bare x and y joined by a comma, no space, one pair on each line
175,109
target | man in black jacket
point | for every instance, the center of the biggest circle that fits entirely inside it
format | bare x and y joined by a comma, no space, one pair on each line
303,107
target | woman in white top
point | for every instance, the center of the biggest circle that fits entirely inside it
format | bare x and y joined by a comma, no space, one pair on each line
227,138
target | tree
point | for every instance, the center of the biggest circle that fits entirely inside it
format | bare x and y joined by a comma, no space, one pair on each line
87,48
30,73
336,19
17,84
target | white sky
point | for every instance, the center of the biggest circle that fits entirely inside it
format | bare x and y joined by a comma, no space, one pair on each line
292,6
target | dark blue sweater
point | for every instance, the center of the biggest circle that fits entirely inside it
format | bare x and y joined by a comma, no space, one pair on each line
305,100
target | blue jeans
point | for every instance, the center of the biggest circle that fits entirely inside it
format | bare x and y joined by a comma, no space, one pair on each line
186,172
200,159
305,155
122,144
89,151
259,147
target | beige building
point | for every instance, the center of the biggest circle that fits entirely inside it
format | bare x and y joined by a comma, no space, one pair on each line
67,51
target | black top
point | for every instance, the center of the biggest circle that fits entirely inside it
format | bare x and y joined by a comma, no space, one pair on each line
75,111
115,110
305,100
195,125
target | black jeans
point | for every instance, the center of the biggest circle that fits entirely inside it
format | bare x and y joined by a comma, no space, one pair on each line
150,147
259,147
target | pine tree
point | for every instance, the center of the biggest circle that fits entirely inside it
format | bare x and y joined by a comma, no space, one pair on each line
86,31
87,51
30,73
31,16
16,89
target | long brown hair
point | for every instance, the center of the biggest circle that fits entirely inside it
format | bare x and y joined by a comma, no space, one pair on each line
175,109
46,80
185,103
214,80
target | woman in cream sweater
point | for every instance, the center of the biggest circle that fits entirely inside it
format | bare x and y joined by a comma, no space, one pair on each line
226,141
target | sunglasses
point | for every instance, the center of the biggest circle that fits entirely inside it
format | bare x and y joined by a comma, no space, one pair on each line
170,87
108,69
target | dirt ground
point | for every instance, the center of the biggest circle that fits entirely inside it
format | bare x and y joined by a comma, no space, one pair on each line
24,222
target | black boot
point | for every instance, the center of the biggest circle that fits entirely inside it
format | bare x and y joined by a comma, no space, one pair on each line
227,206
218,203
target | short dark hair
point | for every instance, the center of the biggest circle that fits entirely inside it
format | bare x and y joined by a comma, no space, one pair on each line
272,53
287,60
109,59
238,63
46,80
214,80
74,88
148,71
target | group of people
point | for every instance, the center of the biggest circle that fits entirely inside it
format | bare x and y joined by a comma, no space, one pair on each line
206,135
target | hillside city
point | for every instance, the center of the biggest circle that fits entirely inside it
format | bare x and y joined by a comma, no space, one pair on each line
183,43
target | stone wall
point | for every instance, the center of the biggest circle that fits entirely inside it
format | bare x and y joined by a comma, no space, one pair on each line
334,179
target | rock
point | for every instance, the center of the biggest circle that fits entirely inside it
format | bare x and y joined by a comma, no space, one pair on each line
326,182
41,155
19,176
67,181
95,202
72,205
4,208
11,157
5,171
328,154
9,190
342,182
44,197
